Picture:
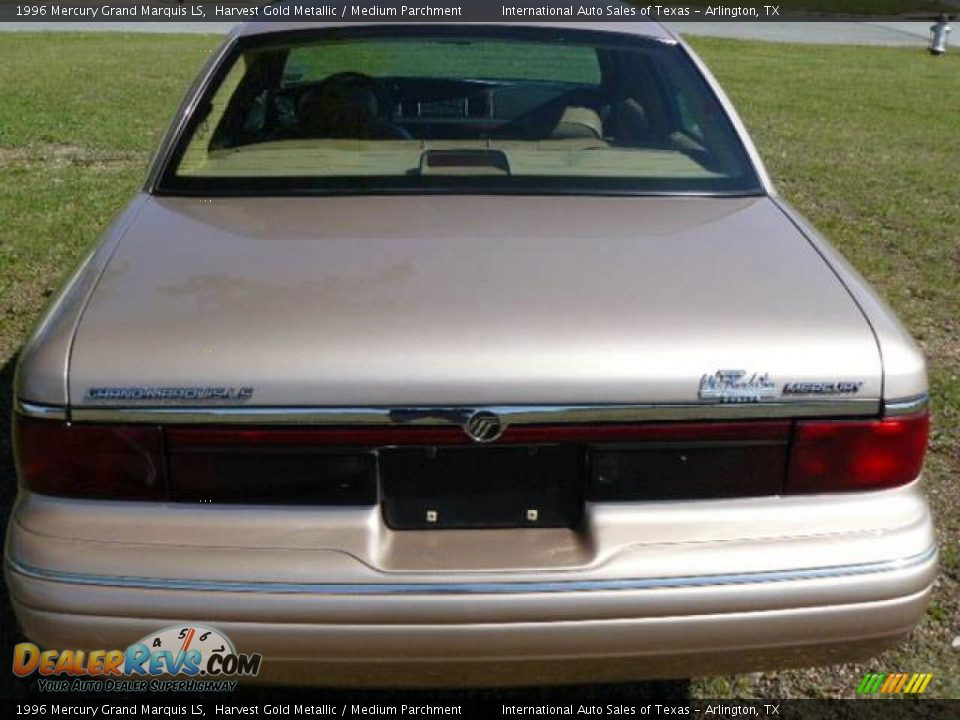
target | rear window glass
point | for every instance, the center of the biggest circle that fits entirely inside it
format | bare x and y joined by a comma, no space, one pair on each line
456,108
488,59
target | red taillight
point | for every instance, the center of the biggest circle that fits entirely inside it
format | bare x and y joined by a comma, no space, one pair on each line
845,455
271,466
338,466
96,461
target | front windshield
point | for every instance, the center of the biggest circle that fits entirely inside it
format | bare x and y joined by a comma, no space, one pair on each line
492,109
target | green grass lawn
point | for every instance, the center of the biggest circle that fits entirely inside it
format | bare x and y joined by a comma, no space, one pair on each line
864,141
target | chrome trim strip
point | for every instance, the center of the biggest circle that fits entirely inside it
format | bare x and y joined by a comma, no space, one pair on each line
457,415
47,412
907,406
476,588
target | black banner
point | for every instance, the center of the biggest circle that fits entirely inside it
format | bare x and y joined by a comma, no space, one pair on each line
74,11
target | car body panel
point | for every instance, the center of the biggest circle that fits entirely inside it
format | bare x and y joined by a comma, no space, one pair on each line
666,590
615,541
530,653
43,364
904,368
297,297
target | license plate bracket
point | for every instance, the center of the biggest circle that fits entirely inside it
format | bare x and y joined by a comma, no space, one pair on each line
501,487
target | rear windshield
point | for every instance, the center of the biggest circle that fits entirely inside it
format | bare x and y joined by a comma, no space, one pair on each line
457,108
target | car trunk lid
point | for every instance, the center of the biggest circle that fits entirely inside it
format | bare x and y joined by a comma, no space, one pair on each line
423,301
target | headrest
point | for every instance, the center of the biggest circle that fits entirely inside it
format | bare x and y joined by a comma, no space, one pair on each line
578,122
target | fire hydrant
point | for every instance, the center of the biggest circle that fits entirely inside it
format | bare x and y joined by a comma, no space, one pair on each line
938,35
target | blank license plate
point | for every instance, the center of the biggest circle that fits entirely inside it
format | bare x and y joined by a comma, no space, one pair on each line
503,487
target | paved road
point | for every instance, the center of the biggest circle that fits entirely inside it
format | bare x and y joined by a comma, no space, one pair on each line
914,34
828,33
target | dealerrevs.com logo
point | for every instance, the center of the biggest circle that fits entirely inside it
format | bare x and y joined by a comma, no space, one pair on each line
188,658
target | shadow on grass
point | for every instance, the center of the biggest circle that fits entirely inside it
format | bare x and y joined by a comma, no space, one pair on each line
12,687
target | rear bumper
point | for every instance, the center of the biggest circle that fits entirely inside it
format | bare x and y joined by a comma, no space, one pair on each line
328,617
